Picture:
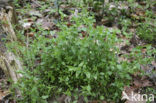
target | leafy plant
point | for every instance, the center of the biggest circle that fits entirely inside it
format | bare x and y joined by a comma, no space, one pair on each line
81,61
147,31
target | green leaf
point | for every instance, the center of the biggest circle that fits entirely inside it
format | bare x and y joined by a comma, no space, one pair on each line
88,75
78,73
71,68
45,97
102,98
88,88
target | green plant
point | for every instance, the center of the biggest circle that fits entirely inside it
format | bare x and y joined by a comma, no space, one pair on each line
147,31
30,87
150,14
81,61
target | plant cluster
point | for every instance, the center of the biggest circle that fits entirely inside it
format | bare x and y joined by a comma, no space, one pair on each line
147,31
81,61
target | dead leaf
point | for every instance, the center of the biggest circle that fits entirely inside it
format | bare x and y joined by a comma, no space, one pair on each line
134,16
143,50
30,34
34,12
146,83
35,4
45,23
154,63
142,3
27,25
140,82
69,25
3,94
137,83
